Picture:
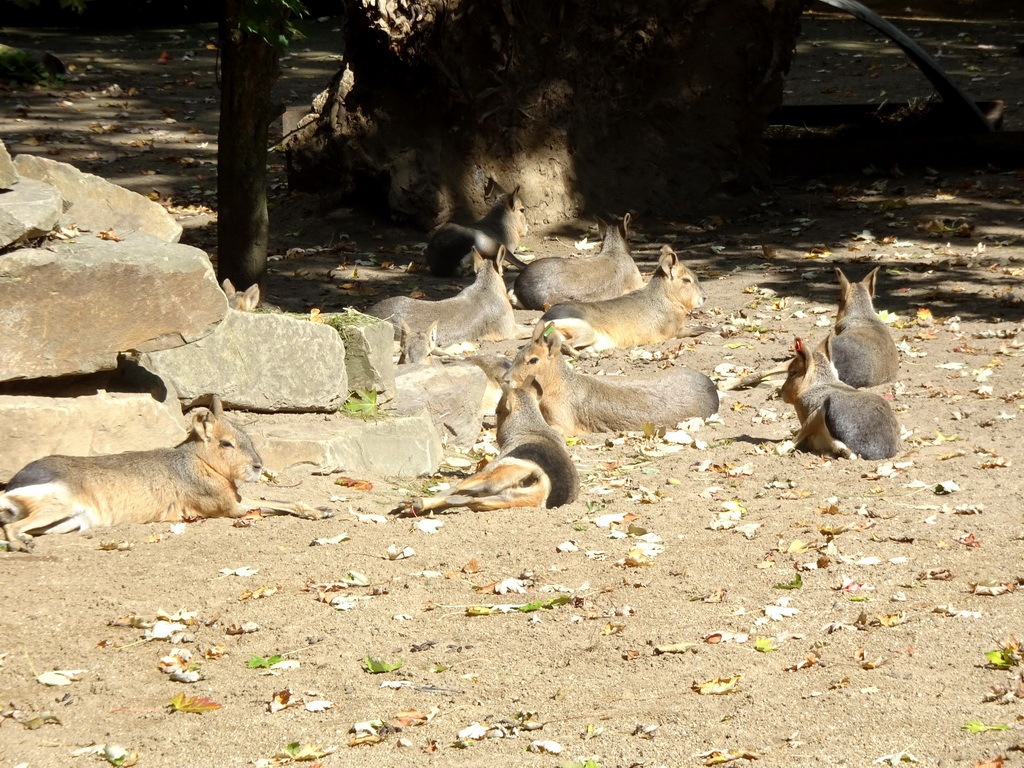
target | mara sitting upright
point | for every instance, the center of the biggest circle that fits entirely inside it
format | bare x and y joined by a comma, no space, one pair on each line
863,351
834,417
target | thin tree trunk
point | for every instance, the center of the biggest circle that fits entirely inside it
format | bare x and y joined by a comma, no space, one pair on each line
249,69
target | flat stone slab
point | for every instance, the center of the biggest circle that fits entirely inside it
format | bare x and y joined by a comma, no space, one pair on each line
73,306
386,446
30,209
258,361
110,422
96,204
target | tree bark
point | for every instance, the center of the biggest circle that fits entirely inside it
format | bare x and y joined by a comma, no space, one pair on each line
249,69
596,107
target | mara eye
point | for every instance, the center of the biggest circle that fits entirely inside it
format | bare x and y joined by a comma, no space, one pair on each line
226,444
533,361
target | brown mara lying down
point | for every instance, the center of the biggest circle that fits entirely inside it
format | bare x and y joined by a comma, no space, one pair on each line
198,478
533,468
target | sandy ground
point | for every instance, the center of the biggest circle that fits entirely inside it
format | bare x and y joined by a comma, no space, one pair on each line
876,655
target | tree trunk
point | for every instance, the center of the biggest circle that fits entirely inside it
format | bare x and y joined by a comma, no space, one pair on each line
249,69
592,107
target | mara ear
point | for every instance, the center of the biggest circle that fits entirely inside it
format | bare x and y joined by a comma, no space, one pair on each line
510,201
843,281
826,347
667,261
202,423
539,329
799,347
602,227
552,338
536,387
227,286
250,299
432,332
801,355
499,260
624,226
478,261
869,281
530,384
404,328
216,407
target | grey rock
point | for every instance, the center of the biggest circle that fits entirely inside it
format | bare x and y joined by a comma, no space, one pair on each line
30,209
369,352
452,394
72,307
387,446
259,362
108,422
96,205
8,174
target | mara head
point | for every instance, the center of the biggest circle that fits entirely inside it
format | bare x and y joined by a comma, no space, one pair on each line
682,282
224,447
537,358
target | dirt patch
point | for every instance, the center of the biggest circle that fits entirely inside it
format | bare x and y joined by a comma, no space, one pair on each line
877,650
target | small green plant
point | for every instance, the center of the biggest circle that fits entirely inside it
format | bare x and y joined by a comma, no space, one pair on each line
796,583
1007,656
376,666
976,726
362,402
259,662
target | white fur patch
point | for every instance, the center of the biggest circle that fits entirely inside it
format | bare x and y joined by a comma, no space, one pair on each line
37,491
27,497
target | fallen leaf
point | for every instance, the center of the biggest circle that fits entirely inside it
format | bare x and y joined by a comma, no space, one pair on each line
358,485
192,704
718,686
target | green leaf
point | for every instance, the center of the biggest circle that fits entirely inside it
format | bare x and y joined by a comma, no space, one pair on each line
259,662
439,668
547,604
489,610
976,726
796,583
362,402
765,645
376,666
1001,659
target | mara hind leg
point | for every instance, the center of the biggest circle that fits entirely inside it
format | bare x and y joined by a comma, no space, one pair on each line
578,334
46,508
814,436
501,485
295,509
